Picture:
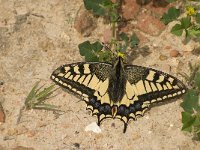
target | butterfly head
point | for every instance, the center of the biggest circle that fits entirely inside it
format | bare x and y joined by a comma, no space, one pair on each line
121,55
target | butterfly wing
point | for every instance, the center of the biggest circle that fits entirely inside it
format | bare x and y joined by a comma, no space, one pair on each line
145,86
90,81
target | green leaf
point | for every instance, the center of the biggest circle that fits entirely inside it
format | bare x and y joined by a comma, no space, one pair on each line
90,51
45,93
186,22
84,48
170,1
197,120
198,136
104,56
188,121
46,107
194,32
197,80
123,36
36,97
198,18
187,37
98,7
171,15
177,30
134,40
97,46
191,101
91,57
32,93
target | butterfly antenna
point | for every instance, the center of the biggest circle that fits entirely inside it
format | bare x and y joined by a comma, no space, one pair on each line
107,48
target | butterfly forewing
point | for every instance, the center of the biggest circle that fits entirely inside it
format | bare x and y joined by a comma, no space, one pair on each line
152,85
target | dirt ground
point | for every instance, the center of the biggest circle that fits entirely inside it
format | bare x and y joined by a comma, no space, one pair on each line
38,36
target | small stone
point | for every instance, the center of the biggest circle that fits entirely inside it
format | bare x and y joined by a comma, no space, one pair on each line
76,132
196,51
149,24
110,147
155,45
113,124
85,22
174,53
93,127
2,114
31,133
144,51
162,57
168,47
76,145
1,82
130,9
135,136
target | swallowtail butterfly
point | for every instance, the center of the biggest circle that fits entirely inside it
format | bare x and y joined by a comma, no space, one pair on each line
117,90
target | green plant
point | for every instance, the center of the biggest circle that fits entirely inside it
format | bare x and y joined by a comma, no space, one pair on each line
36,98
188,23
191,103
119,43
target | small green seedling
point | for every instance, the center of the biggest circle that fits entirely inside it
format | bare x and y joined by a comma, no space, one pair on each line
120,42
36,98
189,22
191,103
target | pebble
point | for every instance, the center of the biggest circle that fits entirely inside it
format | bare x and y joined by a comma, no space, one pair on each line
162,57
31,133
85,22
196,51
93,127
76,145
1,82
2,114
174,53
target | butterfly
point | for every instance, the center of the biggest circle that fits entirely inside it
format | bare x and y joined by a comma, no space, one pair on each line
117,90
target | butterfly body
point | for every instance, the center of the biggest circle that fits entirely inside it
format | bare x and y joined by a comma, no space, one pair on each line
117,90
117,82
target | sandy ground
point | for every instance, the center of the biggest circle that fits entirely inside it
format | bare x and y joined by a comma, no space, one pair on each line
38,36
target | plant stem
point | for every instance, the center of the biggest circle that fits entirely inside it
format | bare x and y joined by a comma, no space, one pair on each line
114,23
114,30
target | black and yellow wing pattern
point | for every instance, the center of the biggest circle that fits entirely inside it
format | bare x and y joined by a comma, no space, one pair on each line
117,90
